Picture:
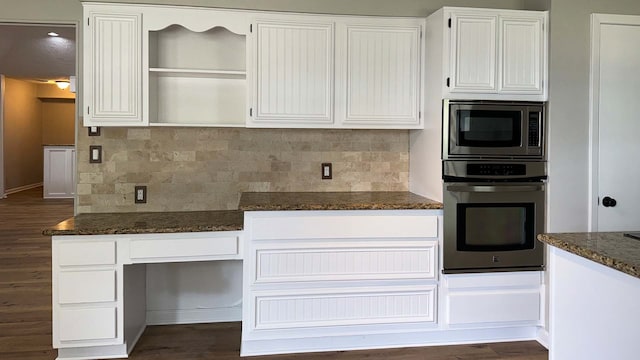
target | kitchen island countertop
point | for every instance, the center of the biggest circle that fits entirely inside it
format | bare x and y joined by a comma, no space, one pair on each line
611,249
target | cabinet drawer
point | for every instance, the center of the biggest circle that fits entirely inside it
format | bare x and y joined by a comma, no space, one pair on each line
345,260
86,286
346,225
87,253
494,306
87,324
179,248
343,306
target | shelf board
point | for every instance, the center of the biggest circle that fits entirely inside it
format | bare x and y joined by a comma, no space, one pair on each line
199,72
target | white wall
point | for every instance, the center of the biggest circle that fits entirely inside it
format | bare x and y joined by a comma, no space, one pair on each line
569,108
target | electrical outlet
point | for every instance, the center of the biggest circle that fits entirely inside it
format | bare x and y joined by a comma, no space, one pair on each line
140,193
327,174
95,154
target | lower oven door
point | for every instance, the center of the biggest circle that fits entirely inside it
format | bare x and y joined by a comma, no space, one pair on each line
493,226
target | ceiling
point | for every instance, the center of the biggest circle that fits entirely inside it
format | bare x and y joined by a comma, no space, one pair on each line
27,52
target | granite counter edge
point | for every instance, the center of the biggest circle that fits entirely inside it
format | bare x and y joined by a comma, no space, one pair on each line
590,254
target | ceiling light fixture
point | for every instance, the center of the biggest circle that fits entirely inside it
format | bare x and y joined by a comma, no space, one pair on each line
62,84
54,34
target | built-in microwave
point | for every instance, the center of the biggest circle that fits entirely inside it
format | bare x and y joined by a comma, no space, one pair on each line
493,130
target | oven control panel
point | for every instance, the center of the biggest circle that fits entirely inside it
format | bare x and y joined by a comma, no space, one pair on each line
496,169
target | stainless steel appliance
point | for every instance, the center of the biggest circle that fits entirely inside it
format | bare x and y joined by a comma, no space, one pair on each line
493,130
493,212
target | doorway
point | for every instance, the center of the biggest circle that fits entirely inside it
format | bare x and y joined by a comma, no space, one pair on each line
614,144
33,111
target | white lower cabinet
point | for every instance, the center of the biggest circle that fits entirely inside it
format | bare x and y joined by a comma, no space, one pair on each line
87,294
99,287
312,275
493,298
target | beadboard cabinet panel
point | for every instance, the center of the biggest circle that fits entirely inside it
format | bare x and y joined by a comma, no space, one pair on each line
337,307
382,75
294,73
344,260
488,54
308,275
473,58
112,67
520,58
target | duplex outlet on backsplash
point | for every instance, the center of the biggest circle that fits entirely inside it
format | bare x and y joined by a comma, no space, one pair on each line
189,169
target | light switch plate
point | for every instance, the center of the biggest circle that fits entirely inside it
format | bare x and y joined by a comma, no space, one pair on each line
327,174
95,154
140,194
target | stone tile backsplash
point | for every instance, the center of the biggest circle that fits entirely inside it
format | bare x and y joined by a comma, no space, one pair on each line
207,168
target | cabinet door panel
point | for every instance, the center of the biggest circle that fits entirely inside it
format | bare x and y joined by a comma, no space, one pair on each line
327,260
86,253
88,286
113,69
494,306
520,55
294,73
307,308
473,53
382,76
87,324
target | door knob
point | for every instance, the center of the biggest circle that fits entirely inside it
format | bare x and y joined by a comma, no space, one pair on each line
609,202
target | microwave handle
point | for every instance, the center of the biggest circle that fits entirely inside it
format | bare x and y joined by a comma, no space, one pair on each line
494,188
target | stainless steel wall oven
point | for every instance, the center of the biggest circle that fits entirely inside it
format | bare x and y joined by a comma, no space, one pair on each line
494,186
491,225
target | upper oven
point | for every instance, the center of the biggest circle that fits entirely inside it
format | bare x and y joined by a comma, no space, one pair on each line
493,130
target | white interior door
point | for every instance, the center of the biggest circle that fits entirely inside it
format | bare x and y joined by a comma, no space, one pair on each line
615,109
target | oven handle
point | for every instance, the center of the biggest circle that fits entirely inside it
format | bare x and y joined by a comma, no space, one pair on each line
494,188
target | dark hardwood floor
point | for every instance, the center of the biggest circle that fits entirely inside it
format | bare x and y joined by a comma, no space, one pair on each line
25,306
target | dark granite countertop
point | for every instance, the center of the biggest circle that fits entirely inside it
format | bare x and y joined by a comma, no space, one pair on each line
611,249
230,220
149,222
365,200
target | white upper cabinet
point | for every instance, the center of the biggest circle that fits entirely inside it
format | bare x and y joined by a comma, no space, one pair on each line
473,53
373,80
154,65
294,72
112,66
521,54
494,54
380,74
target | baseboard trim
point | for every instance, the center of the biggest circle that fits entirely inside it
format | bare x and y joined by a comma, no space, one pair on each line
93,352
543,337
389,340
22,188
194,316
